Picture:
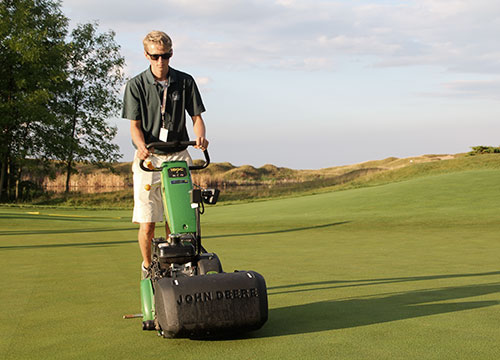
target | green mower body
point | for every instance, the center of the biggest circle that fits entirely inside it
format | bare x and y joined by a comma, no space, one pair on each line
147,304
176,185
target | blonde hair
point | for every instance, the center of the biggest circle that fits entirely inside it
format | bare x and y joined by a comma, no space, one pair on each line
157,37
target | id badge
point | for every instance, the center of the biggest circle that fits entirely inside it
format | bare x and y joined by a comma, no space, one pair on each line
163,134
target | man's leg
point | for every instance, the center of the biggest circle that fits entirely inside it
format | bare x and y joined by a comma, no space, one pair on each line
167,230
146,233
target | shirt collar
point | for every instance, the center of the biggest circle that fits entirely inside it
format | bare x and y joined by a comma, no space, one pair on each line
172,76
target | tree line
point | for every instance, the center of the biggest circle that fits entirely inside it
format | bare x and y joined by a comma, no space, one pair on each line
58,88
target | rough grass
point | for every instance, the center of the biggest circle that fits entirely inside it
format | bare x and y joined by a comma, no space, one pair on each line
407,270
123,199
269,182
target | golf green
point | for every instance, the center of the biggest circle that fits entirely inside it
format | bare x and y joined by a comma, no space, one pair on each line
408,270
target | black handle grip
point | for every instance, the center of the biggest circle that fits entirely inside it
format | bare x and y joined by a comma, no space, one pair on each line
141,165
161,145
204,165
166,145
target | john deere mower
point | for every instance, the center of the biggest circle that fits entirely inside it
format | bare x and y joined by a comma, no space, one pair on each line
188,294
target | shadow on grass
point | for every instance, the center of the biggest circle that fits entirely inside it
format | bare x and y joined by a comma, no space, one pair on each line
62,231
279,231
62,217
325,285
349,313
48,246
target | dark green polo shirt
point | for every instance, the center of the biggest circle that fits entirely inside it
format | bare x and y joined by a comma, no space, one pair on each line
142,101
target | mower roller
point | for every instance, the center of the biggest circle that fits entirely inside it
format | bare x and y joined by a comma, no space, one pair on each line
188,294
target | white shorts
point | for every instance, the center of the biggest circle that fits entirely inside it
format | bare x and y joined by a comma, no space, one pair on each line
148,205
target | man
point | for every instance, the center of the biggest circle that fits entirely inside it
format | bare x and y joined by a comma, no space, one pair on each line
156,102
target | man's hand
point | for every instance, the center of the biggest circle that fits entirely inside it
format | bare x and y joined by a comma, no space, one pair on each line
142,152
201,143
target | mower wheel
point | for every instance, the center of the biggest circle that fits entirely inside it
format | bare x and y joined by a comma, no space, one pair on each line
148,325
209,263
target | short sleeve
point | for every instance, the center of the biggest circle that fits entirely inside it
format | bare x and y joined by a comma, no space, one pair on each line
131,102
194,104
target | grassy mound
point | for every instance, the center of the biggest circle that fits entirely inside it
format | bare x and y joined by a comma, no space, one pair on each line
247,183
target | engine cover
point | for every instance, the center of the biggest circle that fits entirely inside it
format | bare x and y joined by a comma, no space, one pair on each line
211,305
177,253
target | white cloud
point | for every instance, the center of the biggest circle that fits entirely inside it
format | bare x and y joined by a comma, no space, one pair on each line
467,90
204,83
457,35
203,80
305,63
489,89
364,45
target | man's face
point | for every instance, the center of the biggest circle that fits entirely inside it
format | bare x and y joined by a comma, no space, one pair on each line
159,66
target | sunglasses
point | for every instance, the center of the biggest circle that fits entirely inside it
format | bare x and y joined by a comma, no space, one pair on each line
165,56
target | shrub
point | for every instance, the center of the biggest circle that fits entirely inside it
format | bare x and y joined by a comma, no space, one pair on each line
484,150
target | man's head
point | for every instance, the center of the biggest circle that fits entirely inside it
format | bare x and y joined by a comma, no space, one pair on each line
158,50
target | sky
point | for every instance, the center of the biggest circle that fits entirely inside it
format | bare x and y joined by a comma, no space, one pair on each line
310,84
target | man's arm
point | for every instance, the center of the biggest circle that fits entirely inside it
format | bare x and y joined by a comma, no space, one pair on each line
138,139
199,131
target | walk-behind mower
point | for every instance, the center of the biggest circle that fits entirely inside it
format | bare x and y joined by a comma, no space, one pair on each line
188,294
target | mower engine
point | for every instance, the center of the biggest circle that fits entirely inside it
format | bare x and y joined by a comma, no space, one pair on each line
173,258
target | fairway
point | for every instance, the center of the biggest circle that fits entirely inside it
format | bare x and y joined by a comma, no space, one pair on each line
409,270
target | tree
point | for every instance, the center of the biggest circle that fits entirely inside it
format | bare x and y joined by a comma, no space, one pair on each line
94,80
55,97
32,54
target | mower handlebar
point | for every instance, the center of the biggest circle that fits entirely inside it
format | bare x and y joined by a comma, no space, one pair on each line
172,144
